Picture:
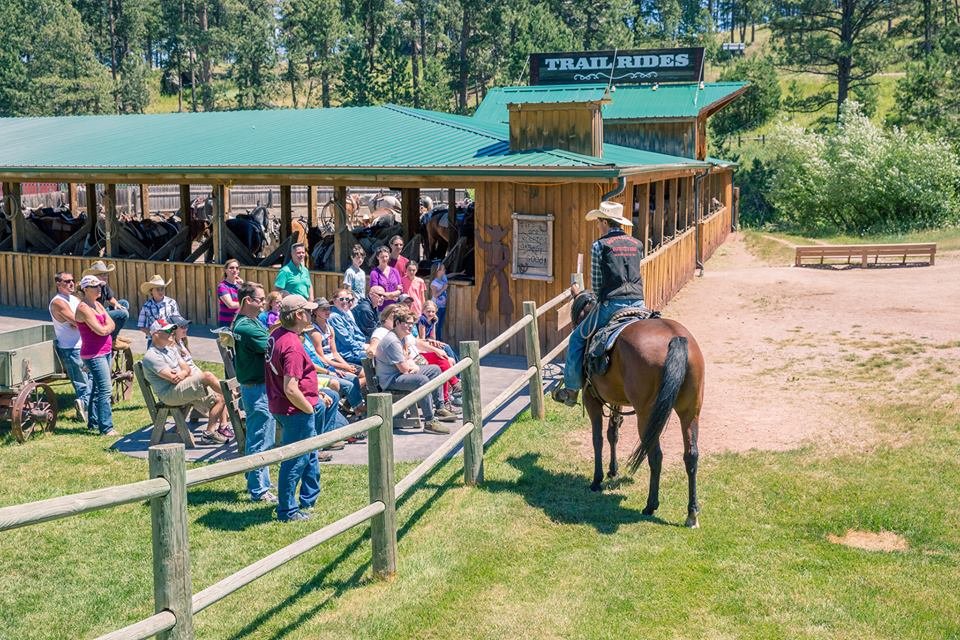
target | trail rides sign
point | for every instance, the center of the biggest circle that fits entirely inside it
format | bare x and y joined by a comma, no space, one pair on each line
618,67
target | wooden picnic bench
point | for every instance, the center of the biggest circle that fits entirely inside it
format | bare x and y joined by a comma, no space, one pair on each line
867,254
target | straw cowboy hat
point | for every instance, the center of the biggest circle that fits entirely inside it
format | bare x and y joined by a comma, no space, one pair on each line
609,211
155,281
98,268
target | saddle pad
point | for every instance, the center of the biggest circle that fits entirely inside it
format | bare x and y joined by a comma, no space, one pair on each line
597,359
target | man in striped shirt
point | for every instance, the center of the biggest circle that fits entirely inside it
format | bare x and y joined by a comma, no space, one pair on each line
158,304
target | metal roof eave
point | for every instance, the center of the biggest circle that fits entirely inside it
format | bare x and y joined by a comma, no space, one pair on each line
679,166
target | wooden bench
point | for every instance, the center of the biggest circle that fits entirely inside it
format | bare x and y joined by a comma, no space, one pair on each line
879,254
410,418
159,412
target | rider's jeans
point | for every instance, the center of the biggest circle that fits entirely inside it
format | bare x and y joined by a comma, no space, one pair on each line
598,316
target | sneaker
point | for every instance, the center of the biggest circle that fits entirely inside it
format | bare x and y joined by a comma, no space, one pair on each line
267,496
81,410
444,415
435,426
324,456
360,437
296,516
227,433
456,401
566,396
452,408
121,343
212,437
457,388
113,433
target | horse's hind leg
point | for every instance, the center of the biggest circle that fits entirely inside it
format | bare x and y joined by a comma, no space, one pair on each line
691,456
594,410
613,434
655,460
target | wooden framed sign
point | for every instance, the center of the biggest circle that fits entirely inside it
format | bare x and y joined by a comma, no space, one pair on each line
532,246
617,67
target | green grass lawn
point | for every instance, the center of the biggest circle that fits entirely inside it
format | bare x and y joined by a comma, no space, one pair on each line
532,552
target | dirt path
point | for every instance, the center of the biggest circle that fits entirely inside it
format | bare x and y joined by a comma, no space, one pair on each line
795,356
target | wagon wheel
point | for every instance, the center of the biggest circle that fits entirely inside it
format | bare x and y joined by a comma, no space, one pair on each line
34,409
122,375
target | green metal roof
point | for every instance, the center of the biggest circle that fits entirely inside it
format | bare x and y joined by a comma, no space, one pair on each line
628,102
376,141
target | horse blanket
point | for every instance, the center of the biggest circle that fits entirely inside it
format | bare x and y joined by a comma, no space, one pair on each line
597,355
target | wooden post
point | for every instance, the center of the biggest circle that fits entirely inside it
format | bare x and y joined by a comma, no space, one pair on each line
532,333
658,214
644,215
286,212
452,199
144,200
12,193
341,252
410,201
383,526
91,201
111,229
172,587
217,227
313,216
472,412
72,199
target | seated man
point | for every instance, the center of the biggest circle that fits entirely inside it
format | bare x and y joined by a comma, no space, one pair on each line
176,385
397,371
350,341
365,312
615,278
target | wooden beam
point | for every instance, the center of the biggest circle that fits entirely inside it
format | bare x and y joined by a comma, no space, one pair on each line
12,193
144,200
218,228
68,245
410,216
283,249
286,212
35,236
185,201
313,215
201,249
125,240
643,215
233,247
111,225
341,250
171,245
658,214
72,198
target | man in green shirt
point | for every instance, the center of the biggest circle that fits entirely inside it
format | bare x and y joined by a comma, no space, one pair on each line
250,340
294,277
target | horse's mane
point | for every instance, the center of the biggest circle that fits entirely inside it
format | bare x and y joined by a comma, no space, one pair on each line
582,303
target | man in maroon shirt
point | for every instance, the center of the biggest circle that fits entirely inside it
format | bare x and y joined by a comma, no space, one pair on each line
296,403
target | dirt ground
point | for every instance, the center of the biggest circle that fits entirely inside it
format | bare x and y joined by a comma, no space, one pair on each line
795,356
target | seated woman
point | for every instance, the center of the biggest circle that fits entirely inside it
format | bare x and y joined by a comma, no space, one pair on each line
328,382
427,327
322,339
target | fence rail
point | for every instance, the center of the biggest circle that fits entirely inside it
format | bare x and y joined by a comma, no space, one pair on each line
167,489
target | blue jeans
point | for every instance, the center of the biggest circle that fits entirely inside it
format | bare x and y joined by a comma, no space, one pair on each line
303,469
78,377
261,434
441,314
447,349
598,317
119,315
99,414
329,418
350,387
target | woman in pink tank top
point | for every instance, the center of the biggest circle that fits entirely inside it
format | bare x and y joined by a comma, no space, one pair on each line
95,326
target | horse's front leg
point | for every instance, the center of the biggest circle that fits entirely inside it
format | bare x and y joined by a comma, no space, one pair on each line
613,434
595,411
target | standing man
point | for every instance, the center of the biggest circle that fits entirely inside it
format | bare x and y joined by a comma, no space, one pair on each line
297,404
250,348
615,278
294,277
62,308
119,310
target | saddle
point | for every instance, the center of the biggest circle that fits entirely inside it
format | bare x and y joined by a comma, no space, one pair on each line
596,360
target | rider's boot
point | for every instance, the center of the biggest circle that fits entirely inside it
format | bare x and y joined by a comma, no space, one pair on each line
566,396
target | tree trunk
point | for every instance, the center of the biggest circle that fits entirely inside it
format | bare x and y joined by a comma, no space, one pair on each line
292,76
414,62
927,27
112,25
423,38
845,62
463,66
325,88
206,68
753,31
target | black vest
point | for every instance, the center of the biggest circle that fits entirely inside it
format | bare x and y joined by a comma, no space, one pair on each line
620,257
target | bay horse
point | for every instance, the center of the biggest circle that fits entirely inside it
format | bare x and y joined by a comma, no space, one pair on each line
656,367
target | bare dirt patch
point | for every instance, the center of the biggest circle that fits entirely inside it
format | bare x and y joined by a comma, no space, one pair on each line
797,356
869,541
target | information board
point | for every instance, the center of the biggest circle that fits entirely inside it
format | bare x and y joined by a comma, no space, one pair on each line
533,246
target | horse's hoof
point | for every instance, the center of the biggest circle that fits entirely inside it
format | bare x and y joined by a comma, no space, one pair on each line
648,511
612,474
596,486
693,522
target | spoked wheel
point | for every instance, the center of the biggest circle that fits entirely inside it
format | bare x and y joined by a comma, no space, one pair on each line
122,375
34,409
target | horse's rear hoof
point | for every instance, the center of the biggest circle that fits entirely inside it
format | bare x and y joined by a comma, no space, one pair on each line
596,486
693,522
648,511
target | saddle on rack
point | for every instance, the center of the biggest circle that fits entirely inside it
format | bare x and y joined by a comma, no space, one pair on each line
596,359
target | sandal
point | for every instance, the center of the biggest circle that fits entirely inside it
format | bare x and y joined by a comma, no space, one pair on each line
227,433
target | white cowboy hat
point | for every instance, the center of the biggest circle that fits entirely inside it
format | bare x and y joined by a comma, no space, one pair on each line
155,281
98,268
609,211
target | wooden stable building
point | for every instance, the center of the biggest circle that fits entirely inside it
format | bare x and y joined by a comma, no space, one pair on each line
534,177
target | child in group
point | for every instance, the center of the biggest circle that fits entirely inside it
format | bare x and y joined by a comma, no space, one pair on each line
271,316
354,278
438,292
414,287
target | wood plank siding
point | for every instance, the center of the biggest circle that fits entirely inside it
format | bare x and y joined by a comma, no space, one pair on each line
676,138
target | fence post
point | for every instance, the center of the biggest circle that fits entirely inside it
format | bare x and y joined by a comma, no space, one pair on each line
532,333
172,587
472,412
383,526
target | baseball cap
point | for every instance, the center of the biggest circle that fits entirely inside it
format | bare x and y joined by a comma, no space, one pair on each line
162,324
90,281
295,302
322,303
179,320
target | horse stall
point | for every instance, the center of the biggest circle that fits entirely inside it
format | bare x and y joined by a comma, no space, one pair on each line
518,239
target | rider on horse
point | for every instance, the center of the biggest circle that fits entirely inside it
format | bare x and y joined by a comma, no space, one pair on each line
615,278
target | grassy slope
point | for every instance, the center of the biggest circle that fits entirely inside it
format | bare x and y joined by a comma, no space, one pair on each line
531,552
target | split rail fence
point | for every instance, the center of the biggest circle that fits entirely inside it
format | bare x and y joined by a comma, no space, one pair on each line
175,603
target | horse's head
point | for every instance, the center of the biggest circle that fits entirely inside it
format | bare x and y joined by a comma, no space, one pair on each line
582,304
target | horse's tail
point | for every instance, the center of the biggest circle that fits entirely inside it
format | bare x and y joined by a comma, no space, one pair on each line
674,371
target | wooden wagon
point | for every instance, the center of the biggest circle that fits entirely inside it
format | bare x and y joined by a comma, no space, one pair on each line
28,366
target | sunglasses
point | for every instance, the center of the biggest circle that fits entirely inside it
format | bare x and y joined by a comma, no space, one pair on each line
344,299
66,281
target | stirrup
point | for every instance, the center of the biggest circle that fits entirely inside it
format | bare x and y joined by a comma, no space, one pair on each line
566,396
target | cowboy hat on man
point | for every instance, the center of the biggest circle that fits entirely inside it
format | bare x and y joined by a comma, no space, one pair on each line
156,282
99,268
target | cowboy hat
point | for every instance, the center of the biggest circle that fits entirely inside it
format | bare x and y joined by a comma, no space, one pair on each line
98,268
609,211
155,281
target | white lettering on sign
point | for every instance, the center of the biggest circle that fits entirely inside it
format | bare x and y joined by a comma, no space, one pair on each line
532,246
